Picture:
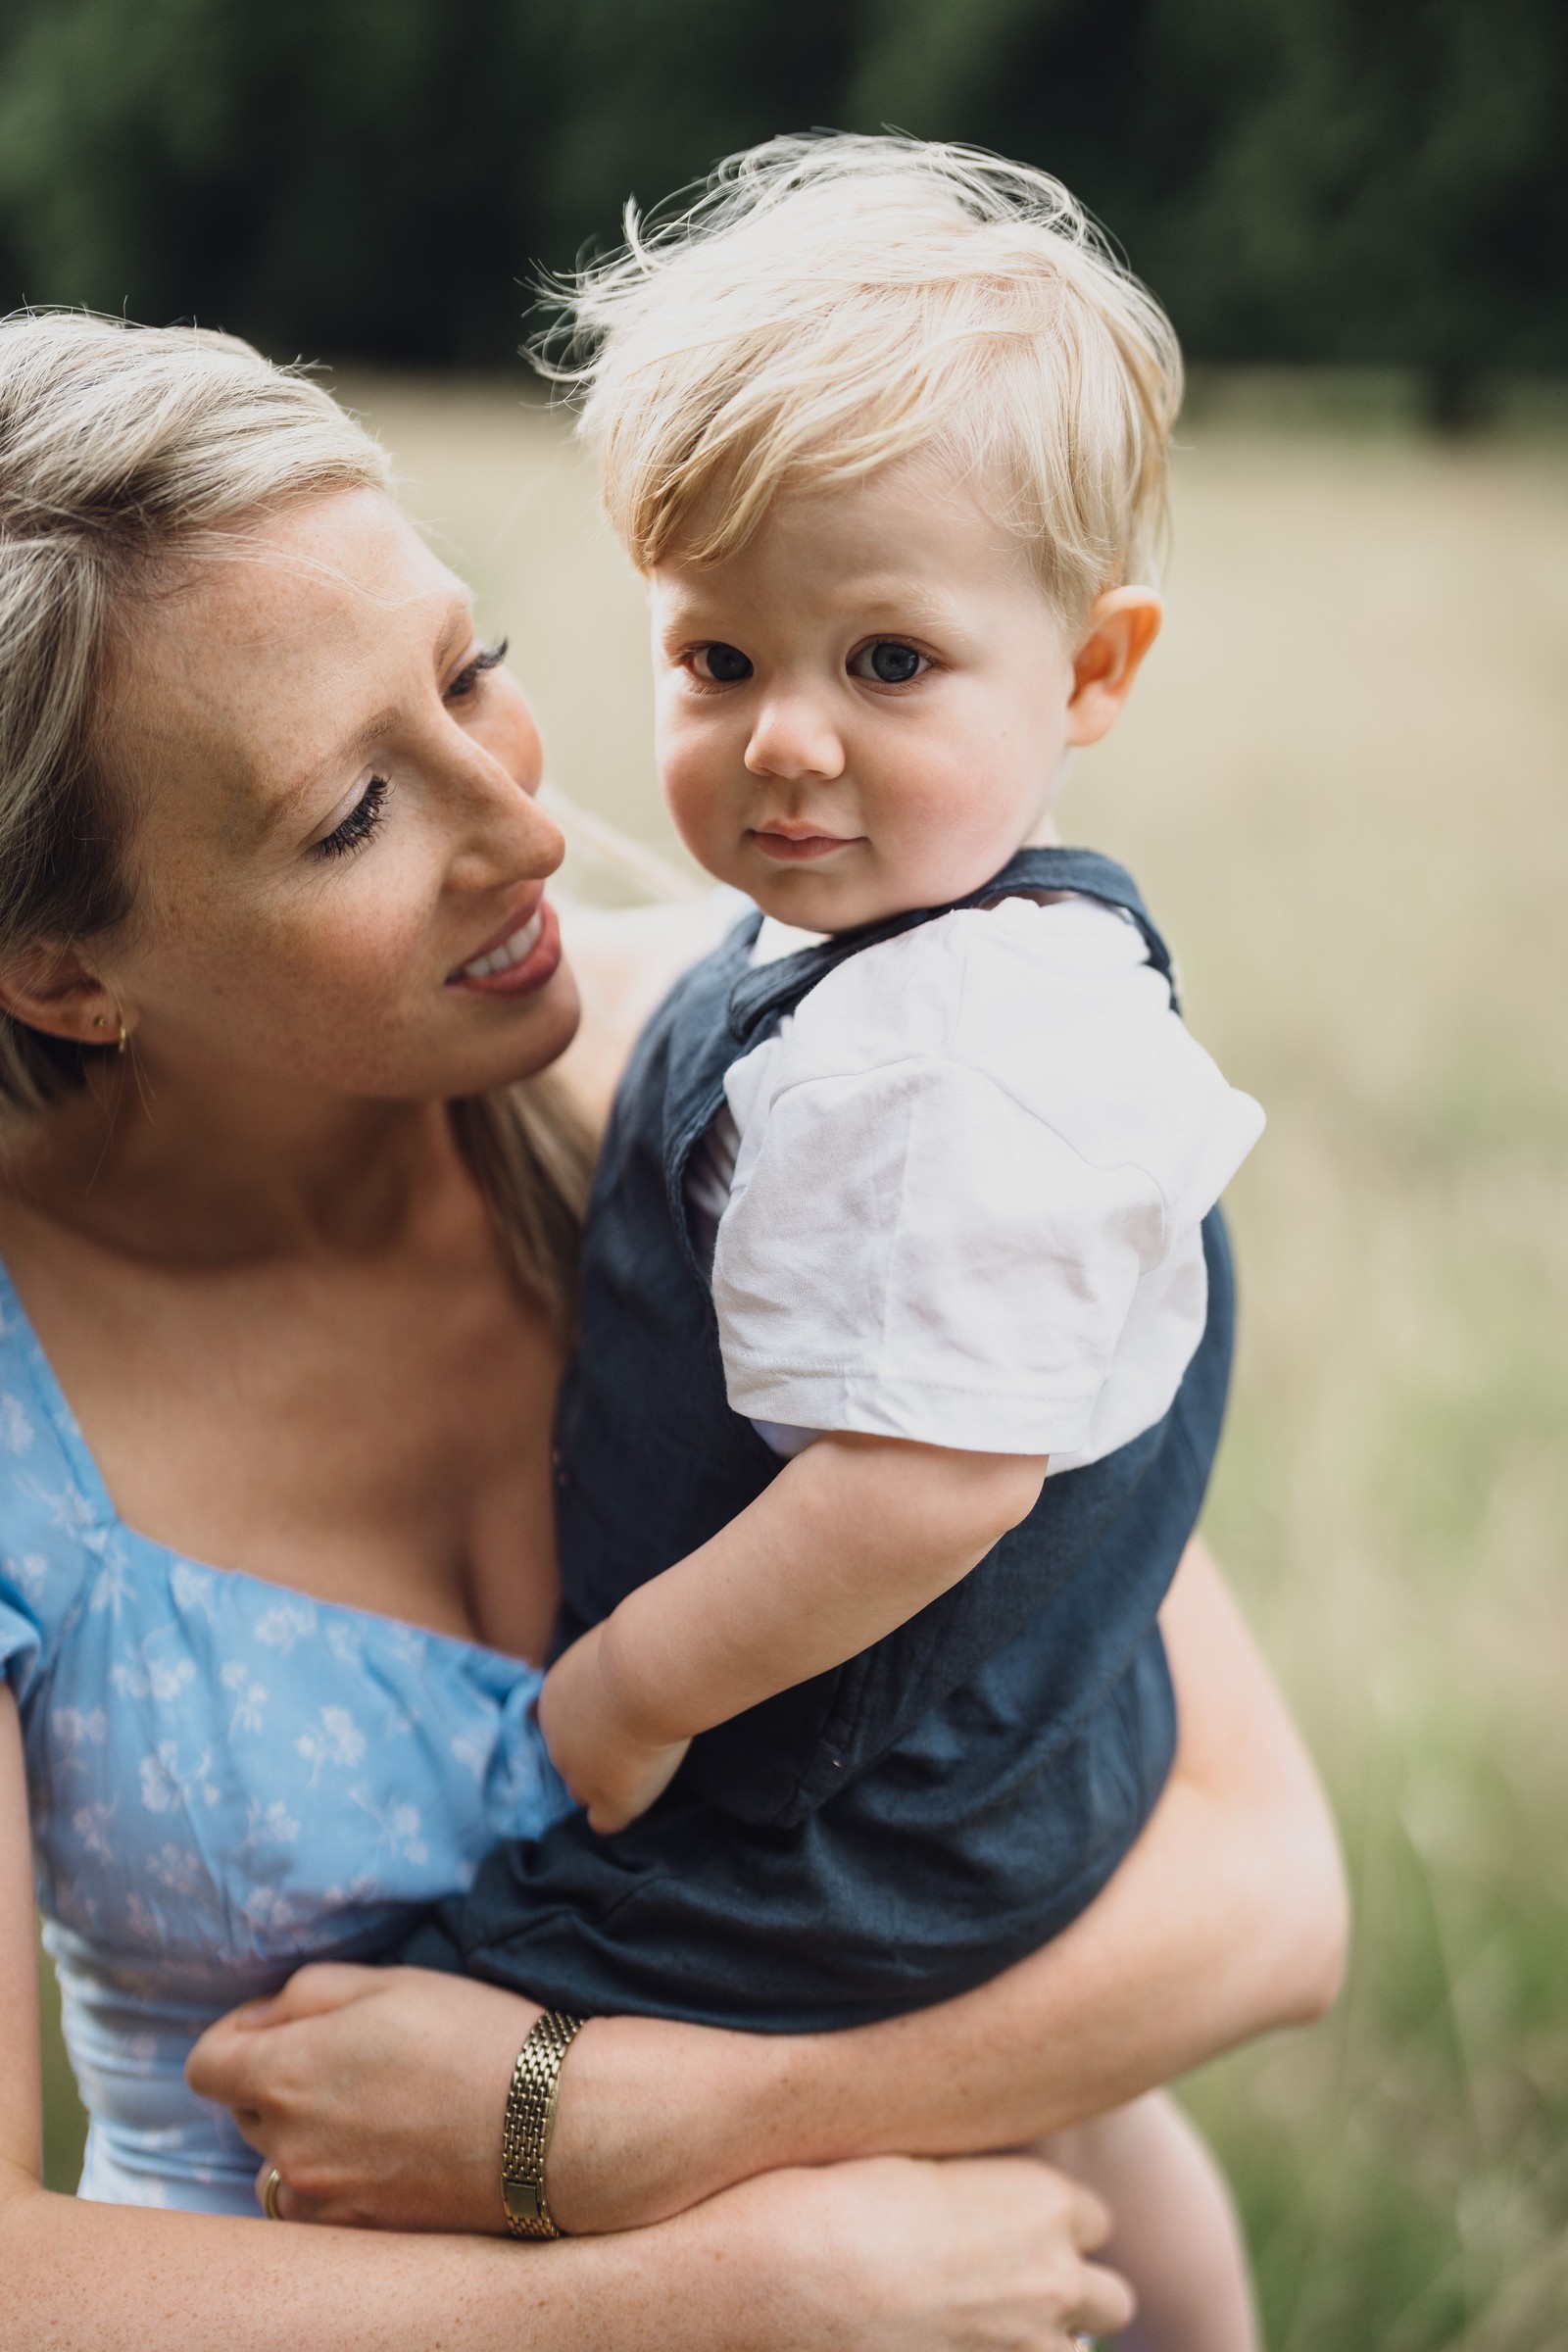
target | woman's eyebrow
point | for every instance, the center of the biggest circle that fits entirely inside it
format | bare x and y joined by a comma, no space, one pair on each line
342,757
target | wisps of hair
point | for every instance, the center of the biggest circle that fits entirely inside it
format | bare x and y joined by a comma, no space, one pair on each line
832,303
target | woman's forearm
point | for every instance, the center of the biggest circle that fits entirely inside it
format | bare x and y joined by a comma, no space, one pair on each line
1227,1920
73,2273
898,2257
76,2274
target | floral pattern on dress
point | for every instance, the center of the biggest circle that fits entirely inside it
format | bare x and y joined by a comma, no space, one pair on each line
225,1780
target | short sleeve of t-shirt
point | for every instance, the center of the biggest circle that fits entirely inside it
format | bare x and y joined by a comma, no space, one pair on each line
956,1166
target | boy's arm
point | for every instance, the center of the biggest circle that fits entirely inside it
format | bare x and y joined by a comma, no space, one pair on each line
853,1538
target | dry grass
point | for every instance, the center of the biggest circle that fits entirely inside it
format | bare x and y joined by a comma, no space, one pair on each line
1342,787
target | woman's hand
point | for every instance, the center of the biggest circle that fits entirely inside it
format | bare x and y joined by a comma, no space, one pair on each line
592,1747
894,2254
377,2093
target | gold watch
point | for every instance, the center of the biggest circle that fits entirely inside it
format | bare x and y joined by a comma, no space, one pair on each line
530,2118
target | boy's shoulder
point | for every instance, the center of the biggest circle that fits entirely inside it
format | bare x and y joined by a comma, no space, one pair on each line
1021,1016
982,982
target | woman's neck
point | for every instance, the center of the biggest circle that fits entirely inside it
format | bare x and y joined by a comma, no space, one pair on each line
220,1173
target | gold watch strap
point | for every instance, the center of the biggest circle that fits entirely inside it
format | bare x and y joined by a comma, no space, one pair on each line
530,2120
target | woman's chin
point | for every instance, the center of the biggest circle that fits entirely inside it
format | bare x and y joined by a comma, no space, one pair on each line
522,1033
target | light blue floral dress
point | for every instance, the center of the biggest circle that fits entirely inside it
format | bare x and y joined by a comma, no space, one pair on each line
226,1780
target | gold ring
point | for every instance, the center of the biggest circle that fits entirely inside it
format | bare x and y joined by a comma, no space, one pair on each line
274,2181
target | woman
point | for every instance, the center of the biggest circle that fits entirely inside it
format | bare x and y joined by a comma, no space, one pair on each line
286,1233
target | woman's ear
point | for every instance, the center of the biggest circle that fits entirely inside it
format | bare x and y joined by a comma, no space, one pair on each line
50,988
1122,626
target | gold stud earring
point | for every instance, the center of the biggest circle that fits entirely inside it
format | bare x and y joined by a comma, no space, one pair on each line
100,1020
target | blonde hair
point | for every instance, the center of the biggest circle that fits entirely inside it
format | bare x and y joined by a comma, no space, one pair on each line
120,449
832,303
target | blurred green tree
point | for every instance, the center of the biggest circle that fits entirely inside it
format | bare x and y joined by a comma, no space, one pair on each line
366,176
1300,180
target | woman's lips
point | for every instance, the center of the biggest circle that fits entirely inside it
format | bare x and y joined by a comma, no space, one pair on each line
801,849
524,961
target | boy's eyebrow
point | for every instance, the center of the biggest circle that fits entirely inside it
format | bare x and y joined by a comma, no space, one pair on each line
908,600
879,596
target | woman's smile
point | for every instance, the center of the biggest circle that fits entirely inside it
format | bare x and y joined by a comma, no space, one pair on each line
525,957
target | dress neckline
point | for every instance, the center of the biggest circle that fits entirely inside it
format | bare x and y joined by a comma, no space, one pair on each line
17,1323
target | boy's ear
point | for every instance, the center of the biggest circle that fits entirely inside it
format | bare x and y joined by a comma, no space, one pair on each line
50,988
1122,626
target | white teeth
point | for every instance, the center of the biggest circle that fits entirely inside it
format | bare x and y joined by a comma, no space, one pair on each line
511,950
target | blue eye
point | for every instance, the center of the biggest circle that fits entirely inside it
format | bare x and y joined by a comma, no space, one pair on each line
888,663
721,664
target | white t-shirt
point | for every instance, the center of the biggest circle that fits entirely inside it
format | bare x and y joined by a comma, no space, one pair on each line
967,1182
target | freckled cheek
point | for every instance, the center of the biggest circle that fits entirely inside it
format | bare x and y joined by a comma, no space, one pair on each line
366,966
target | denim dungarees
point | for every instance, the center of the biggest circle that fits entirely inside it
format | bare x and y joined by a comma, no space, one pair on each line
899,1830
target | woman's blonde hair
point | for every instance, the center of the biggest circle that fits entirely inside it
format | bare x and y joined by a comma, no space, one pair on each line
829,304
123,448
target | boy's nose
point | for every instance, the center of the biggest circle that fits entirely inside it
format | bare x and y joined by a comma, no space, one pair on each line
792,738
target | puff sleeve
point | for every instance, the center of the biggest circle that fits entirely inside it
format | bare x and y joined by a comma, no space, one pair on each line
971,1152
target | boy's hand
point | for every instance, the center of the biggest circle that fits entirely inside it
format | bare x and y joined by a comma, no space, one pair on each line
607,1768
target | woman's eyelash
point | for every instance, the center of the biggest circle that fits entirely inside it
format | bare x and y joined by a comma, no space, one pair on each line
359,825
363,818
466,679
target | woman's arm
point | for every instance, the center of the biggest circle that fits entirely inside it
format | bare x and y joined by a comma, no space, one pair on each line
379,2095
905,2255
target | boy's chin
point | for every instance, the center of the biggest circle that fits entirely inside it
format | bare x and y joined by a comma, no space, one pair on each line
813,906
823,903
831,896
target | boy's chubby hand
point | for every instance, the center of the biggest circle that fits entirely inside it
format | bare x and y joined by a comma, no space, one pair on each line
609,1770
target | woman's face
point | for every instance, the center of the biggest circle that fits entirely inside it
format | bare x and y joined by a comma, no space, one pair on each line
338,862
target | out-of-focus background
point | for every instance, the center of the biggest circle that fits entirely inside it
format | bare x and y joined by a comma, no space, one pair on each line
1342,786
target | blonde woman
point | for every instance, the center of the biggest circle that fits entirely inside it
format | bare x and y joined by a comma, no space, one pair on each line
288,1245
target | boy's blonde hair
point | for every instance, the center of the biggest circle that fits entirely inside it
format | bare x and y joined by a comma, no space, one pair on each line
832,303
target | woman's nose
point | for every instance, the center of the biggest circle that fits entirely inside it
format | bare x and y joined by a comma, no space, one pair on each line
792,738
505,836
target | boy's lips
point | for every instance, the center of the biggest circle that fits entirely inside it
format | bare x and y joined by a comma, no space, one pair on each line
790,847
523,958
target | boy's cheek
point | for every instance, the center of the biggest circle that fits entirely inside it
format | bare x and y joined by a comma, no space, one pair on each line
707,818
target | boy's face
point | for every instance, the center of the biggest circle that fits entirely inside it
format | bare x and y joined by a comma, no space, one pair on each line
869,708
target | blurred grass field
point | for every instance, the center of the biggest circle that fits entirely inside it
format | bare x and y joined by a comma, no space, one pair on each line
1344,786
